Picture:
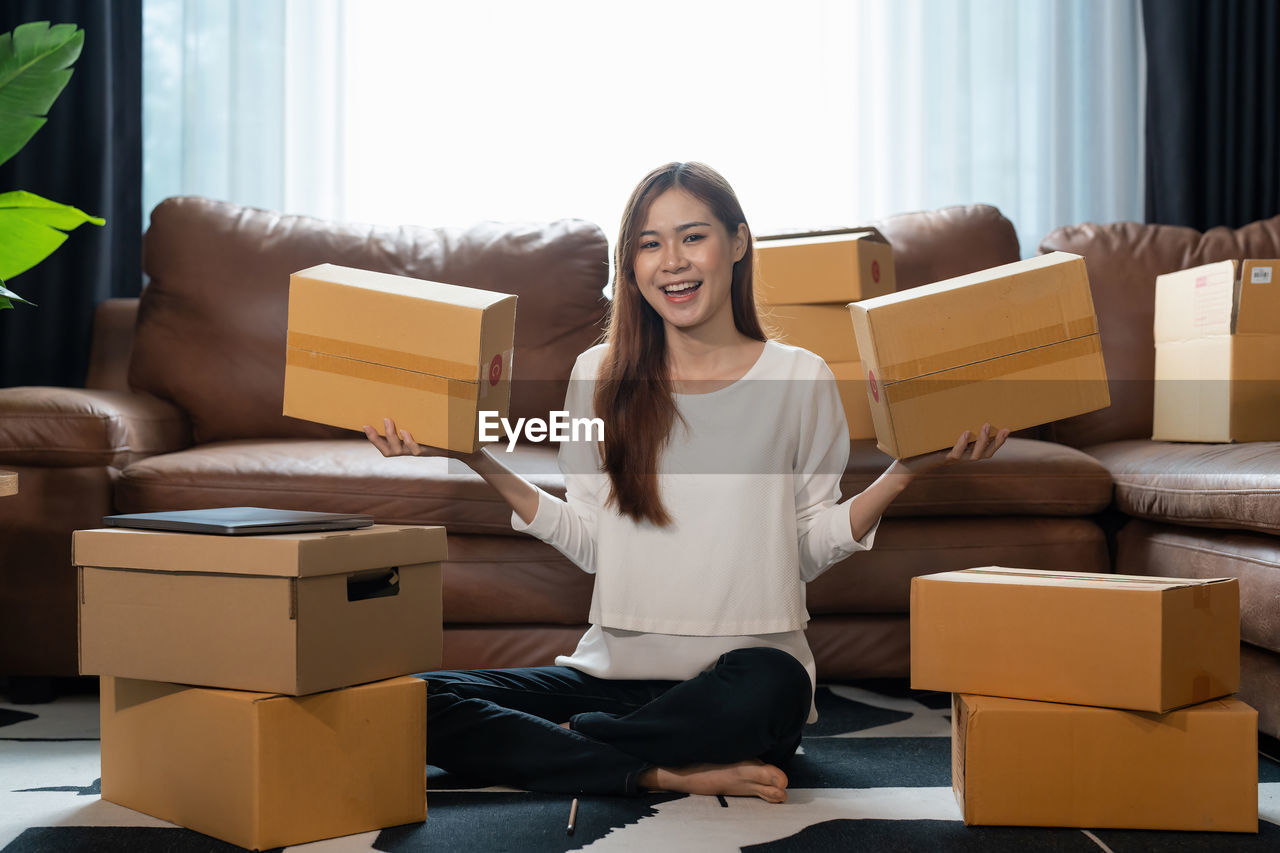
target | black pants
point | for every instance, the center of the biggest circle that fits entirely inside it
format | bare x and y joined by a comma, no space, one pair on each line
501,726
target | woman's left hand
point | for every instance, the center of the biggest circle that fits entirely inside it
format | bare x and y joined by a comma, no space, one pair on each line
984,447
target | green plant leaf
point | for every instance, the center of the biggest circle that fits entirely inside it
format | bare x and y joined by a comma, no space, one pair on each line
6,295
35,62
31,227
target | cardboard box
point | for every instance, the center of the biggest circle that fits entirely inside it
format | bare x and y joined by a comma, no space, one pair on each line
364,346
261,770
823,330
1019,763
1217,333
823,267
1016,346
294,613
1119,641
853,394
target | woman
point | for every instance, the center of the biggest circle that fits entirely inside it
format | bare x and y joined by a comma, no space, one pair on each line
713,498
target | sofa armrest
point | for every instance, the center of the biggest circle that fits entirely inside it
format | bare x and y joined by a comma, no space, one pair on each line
76,427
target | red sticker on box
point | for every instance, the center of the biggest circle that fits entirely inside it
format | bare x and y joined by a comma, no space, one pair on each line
875,271
495,369
871,383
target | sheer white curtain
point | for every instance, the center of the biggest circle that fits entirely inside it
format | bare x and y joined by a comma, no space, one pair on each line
819,113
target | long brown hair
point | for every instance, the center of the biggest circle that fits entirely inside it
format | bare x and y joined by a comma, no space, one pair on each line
633,390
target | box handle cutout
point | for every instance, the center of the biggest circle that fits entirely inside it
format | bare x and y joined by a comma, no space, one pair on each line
379,584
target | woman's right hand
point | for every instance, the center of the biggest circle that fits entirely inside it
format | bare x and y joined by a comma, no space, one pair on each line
399,443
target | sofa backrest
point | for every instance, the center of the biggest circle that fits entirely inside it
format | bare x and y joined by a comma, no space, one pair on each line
212,319
1123,260
939,244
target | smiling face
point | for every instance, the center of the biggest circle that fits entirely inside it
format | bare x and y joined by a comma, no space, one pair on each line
684,261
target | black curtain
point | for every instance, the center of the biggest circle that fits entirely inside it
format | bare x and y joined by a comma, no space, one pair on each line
88,155
1213,111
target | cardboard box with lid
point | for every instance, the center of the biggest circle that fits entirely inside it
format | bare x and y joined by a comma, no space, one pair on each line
1217,333
363,346
289,613
1016,345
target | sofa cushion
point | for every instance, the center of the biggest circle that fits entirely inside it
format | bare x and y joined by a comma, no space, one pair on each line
1162,550
1026,477
212,319
343,475
1123,260
1212,485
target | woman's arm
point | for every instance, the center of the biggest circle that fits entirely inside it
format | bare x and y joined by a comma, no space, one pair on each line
866,507
514,489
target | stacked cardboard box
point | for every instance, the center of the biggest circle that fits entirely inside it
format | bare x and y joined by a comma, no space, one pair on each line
1090,700
363,346
1016,345
1217,332
253,687
804,282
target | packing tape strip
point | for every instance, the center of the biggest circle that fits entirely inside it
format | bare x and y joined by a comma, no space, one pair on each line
1172,583
917,368
335,347
994,368
325,363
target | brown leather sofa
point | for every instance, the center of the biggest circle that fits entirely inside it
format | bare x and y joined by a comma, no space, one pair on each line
1182,509
183,410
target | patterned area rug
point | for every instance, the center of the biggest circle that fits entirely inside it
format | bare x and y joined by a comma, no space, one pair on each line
874,774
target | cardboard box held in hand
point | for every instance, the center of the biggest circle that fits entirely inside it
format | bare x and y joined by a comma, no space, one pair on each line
1217,332
1016,346
364,346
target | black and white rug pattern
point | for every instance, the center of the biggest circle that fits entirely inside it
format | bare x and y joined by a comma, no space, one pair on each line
874,774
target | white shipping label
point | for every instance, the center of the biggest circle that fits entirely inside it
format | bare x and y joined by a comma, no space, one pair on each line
1261,275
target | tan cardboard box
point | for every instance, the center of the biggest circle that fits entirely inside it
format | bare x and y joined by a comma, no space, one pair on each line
1217,333
824,330
364,346
262,770
292,613
823,267
1118,641
853,394
1016,345
1020,763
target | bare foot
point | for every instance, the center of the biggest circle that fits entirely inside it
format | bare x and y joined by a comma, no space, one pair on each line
743,779
565,726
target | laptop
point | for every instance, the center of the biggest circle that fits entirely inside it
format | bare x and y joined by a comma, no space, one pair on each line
239,521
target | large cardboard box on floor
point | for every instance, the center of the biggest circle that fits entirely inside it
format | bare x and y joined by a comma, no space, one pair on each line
364,346
1016,346
823,267
1118,641
262,770
291,613
1020,763
1217,333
